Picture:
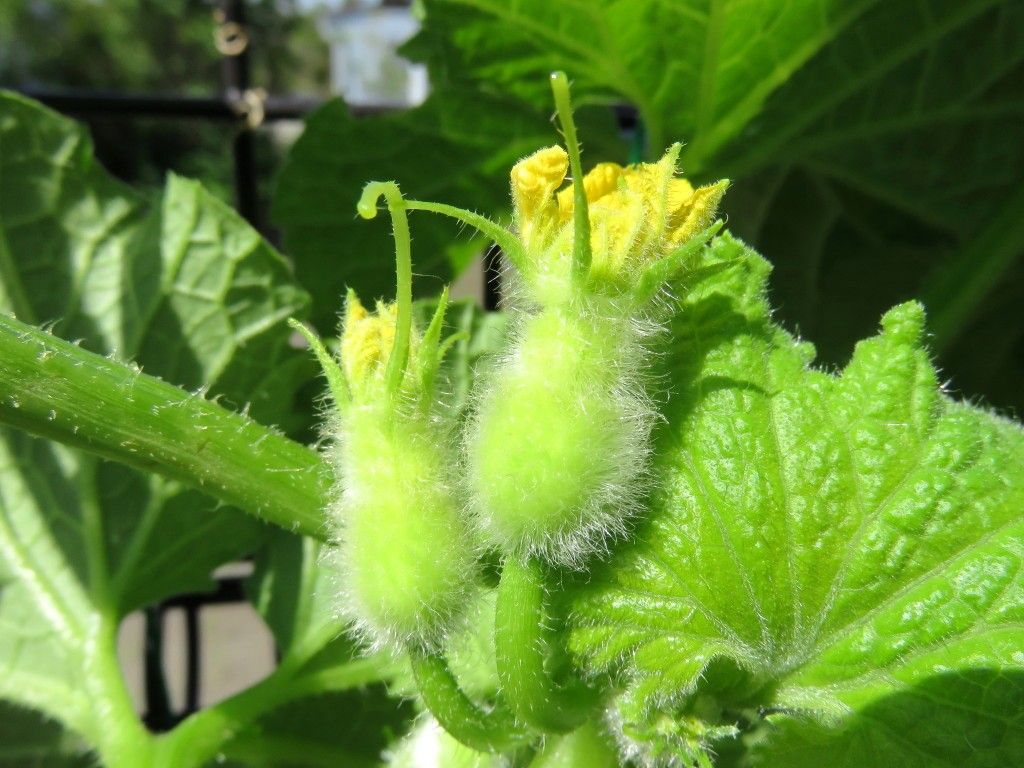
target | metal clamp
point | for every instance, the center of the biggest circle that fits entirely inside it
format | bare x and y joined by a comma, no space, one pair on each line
250,104
230,37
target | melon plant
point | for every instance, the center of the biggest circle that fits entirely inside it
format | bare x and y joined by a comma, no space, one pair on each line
631,519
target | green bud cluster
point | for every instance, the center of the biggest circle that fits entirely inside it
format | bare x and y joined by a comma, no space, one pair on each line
552,461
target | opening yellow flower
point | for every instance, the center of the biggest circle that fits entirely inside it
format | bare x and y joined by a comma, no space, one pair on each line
638,213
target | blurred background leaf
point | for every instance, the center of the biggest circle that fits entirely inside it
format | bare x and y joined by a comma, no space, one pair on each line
876,148
177,284
28,740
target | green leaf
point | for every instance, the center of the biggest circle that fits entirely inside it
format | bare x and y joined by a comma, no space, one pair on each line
28,740
180,286
457,147
819,546
932,723
887,135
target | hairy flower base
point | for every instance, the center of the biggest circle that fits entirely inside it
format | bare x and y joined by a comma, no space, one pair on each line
560,439
405,562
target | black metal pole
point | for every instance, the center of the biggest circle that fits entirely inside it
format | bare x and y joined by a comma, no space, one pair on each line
192,661
233,40
158,715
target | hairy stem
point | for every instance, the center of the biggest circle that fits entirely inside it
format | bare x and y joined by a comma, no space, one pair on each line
201,737
580,211
485,731
510,245
56,390
121,739
521,646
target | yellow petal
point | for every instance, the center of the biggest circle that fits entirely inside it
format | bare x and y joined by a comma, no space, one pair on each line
679,193
616,221
697,213
535,179
602,180
366,339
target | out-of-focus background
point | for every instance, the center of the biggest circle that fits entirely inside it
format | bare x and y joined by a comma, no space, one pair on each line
306,50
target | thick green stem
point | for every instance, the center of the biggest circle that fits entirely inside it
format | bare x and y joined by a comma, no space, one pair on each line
485,731
120,737
580,212
59,391
367,208
521,646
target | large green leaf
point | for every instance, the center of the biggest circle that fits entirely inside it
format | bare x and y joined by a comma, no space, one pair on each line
178,285
872,143
934,723
820,548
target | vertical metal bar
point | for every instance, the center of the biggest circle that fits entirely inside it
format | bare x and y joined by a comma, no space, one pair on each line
235,76
192,660
158,703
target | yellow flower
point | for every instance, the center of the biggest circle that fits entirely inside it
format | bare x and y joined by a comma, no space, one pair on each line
534,181
638,213
366,340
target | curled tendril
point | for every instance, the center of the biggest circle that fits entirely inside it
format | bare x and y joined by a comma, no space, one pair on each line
367,208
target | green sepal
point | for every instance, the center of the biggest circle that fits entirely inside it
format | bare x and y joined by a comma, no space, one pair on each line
683,258
336,383
431,351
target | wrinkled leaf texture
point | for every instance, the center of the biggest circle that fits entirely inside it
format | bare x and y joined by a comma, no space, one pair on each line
851,541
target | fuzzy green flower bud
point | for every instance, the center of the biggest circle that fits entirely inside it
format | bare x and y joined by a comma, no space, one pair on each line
404,553
559,444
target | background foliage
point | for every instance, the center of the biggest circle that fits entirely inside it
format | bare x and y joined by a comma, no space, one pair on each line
876,148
